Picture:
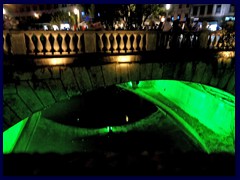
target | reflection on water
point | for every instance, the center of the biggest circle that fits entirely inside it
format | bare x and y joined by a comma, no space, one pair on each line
110,106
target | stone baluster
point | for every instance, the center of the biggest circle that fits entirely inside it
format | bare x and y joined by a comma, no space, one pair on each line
64,43
108,44
79,46
39,44
115,45
30,45
55,43
141,42
211,40
121,46
100,42
214,44
48,45
128,43
218,39
135,42
5,48
71,43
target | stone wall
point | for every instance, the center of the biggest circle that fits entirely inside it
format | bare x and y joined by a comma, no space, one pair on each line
35,90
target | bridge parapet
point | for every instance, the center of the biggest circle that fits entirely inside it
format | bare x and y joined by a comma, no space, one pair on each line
42,43
45,67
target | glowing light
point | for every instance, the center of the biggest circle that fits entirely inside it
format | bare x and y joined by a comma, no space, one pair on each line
122,59
226,56
126,118
55,27
162,19
168,6
53,61
69,13
64,26
109,128
4,11
36,15
75,11
59,61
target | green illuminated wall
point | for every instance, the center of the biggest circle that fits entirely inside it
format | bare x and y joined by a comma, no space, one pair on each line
203,102
10,136
212,126
209,113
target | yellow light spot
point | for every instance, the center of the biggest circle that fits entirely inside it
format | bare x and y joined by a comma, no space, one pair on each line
124,59
54,61
126,118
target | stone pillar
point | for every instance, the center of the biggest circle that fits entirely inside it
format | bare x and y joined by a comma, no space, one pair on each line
90,42
18,43
151,40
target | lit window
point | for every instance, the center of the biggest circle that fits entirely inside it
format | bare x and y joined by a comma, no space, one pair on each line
218,9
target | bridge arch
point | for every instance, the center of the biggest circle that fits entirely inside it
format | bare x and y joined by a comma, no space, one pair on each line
30,91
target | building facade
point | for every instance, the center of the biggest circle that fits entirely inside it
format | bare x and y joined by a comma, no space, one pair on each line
180,11
216,12
23,12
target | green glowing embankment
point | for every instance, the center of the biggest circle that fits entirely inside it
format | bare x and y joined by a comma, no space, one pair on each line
208,114
10,136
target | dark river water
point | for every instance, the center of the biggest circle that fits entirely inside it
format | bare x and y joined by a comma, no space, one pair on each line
110,106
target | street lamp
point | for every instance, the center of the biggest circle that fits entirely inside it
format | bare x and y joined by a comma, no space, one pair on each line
76,12
36,15
167,8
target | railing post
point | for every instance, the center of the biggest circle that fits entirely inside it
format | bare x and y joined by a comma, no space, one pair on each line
135,42
5,47
90,42
18,43
151,40
115,45
128,44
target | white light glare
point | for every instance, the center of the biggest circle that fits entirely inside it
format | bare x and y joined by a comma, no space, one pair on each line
168,6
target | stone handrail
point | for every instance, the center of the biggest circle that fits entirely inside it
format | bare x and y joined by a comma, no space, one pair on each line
43,43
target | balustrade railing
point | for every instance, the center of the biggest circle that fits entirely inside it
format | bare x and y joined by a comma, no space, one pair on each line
77,42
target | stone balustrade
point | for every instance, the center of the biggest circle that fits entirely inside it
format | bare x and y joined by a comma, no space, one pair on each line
43,43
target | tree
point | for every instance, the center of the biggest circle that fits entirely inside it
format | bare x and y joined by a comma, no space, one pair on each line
153,10
62,17
44,18
133,13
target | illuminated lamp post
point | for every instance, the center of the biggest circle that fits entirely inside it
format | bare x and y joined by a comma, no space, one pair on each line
167,8
4,14
76,12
